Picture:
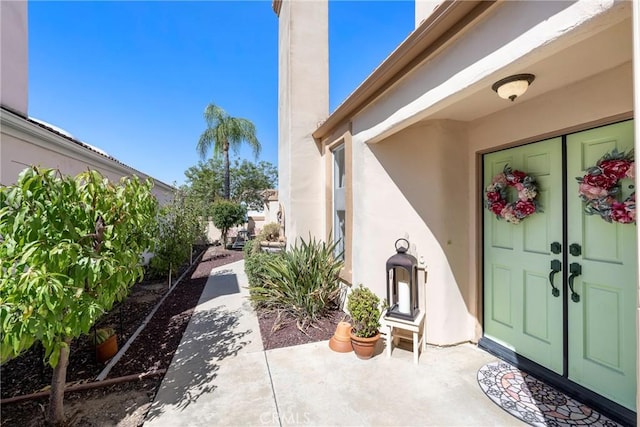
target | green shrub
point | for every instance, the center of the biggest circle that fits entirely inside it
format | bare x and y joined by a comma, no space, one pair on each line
226,214
301,282
254,265
364,309
269,233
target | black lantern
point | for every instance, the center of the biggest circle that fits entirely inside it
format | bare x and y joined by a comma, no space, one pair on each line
402,283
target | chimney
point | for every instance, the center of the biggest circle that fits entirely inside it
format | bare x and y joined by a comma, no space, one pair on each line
303,102
13,56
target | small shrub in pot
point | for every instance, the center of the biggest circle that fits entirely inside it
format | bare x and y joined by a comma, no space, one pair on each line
364,308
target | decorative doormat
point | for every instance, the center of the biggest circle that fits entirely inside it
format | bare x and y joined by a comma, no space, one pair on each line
533,401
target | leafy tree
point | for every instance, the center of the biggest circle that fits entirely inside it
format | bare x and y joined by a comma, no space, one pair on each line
205,180
223,133
226,214
180,225
69,248
248,180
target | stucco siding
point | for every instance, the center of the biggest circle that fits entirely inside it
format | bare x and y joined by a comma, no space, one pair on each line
303,103
14,56
413,185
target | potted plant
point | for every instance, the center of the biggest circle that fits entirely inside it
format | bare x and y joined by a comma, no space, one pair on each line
364,308
106,343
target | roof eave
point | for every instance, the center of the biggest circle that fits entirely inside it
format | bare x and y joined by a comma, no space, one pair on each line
448,19
43,132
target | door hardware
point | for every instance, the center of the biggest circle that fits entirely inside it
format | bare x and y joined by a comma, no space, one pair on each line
576,270
556,266
556,248
575,249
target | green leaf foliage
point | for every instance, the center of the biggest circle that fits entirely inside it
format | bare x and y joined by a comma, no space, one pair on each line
226,214
180,225
225,133
247,181
302,282
364,309
255,261
69,248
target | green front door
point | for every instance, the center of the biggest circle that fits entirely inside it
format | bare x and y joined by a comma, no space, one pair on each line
521,311
602,324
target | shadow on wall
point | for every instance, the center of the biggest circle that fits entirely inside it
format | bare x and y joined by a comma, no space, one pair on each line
194,366
429,166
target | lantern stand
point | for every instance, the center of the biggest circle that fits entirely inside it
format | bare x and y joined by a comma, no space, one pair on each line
403,318
402,283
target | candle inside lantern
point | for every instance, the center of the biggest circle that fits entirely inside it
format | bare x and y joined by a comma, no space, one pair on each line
404,297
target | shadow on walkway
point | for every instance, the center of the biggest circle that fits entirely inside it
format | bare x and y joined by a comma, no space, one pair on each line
210,338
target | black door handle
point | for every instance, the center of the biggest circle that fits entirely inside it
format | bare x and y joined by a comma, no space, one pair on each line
556,266
576,270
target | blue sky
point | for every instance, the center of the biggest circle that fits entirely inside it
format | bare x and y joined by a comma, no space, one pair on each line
133,78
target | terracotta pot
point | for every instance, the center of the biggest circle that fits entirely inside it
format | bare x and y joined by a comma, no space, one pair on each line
341,340
364,347
107,349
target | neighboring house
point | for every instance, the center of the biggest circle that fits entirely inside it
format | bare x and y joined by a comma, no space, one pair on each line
268,214
411,151
25,141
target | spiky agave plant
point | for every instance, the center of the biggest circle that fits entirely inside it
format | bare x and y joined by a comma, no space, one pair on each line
303,282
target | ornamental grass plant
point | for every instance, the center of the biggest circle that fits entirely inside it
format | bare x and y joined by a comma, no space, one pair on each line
302,282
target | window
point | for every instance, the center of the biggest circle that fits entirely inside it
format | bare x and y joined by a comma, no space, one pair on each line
339,201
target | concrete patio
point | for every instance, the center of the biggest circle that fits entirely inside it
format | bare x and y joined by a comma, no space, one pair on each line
220,375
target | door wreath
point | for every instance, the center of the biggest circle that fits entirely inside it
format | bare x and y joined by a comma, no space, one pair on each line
600,188
497,195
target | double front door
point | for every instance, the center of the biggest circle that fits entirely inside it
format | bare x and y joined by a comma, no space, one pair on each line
560,286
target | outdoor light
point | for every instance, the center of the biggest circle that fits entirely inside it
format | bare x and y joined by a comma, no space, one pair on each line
513,86
402,283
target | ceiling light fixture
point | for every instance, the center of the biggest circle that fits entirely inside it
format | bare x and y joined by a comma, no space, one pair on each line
513,86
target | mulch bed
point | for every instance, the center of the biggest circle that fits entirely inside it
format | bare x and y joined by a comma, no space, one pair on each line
278,333
153,349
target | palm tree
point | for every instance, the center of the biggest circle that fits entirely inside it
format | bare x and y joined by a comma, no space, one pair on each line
224,132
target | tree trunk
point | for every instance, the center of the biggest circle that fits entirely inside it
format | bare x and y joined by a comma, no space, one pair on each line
224,238
55,415
227,179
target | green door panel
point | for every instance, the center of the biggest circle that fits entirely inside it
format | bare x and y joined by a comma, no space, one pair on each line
602,325
520,311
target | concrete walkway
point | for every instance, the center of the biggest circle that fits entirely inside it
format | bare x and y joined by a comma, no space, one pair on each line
220,375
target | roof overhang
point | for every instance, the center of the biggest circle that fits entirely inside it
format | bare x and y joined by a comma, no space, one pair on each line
441,27
45,136
277,5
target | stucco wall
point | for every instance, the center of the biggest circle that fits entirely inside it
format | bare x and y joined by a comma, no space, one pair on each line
413,185
13,56
303,103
